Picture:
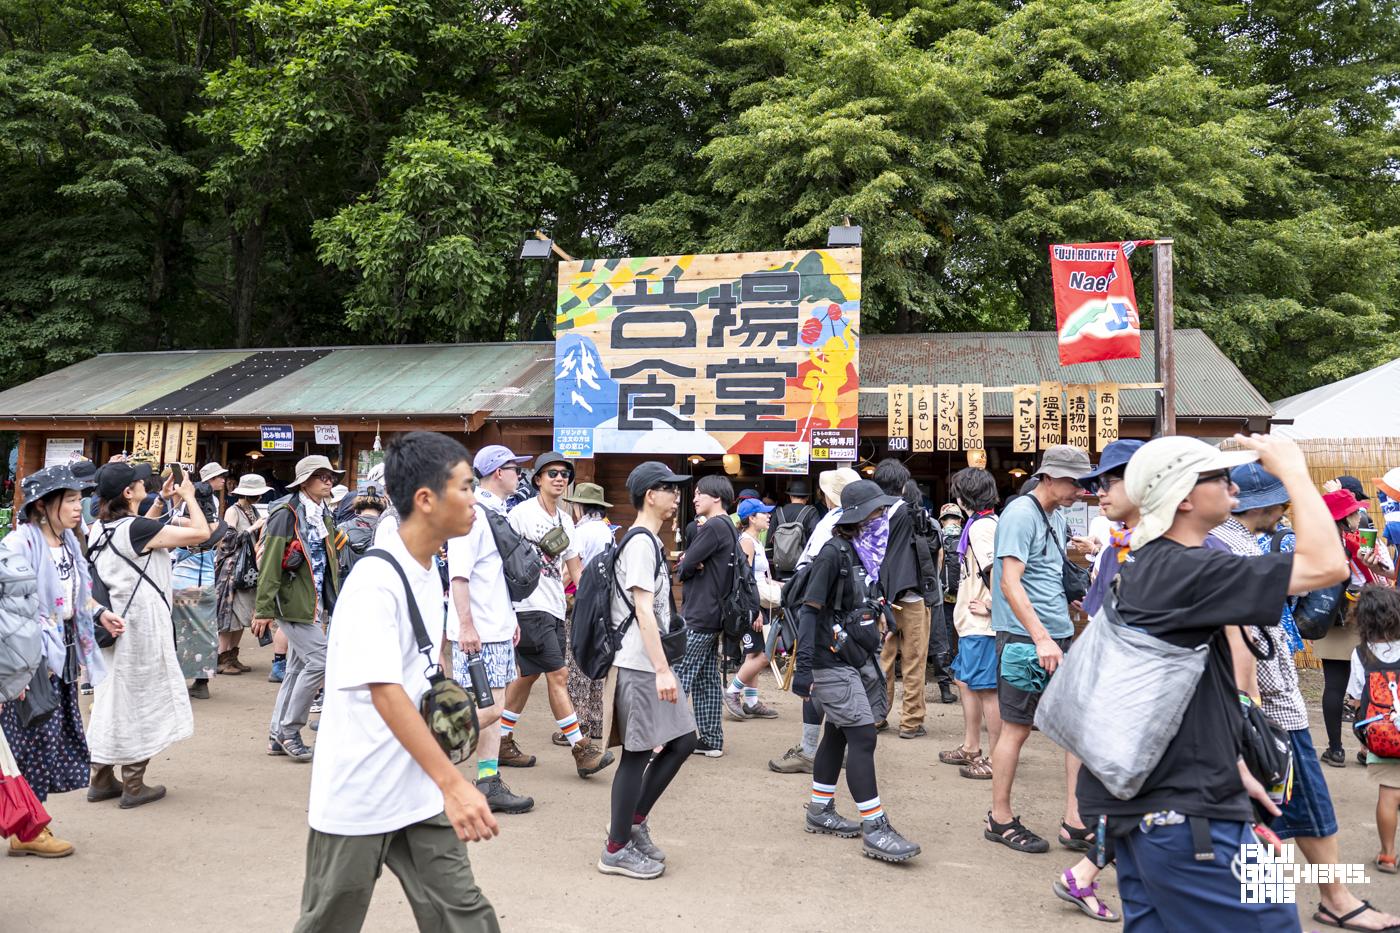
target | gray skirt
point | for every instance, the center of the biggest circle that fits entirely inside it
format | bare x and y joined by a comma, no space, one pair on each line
635,719
847,697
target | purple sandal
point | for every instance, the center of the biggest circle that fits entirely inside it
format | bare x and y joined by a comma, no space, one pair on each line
1067,889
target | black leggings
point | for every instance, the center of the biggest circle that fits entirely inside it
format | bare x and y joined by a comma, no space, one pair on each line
639,782
860,763
1334,690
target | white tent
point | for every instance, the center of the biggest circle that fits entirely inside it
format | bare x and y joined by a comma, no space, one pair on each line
1364,405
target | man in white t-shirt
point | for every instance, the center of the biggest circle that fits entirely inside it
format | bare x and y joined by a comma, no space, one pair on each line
542,646
484,621
382,790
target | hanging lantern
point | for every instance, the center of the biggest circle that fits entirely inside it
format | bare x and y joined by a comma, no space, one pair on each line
731,464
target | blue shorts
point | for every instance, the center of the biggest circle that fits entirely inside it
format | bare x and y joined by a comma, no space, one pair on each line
1309,812
499,658
976,662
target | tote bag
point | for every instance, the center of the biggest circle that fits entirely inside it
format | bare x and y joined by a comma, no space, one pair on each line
21,813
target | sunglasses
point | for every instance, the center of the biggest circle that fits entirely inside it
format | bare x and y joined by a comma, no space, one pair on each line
322,476
1215,477
667,487
556,474
511,467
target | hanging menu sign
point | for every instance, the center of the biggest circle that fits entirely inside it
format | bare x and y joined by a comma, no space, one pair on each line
189,442
1023,410
923,419
172,442
947,417
155,442
1077,417
897,422
972,416
140,435
1051,414
1107,409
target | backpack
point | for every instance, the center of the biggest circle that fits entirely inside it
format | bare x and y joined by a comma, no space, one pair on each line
593,640
21,638
519,559
740,604
1375,723
952,567
1315,612
789,540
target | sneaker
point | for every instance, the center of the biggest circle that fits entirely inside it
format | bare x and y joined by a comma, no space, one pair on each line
85,689
590,758
316,703
827,822
734,706
1348,714
760,710
884,843
274,747
279,670
1334,757
511,755
294,748
709,751
641,840
499,797
917,732
630,863
1361,758
794,761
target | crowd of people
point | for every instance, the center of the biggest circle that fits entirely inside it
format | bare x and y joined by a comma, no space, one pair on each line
1231,554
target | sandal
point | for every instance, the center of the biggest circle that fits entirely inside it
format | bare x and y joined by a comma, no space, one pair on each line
1080,840
979,770
959,756
1326,917
1020,838
1067,889
1386,863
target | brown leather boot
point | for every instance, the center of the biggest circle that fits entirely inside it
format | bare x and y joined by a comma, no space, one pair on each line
233,656
226,665
512,757
135,793
590,758
103,785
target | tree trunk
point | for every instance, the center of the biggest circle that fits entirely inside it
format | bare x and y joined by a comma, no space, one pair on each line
246,247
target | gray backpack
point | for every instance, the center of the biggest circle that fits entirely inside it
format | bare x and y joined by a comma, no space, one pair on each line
21,638
790,540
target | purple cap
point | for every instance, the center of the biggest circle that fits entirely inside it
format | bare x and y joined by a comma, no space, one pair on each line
491,458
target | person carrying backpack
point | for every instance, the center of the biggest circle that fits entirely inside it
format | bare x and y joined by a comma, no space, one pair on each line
1375,666
647,713
792,526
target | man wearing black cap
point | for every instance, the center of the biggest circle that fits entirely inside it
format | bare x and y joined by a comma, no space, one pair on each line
792,525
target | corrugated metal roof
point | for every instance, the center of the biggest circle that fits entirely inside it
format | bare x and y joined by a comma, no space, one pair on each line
515,380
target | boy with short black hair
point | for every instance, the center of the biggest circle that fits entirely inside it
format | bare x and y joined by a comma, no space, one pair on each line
382,790
706,570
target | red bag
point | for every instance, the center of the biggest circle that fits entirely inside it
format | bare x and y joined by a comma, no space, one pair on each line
21,813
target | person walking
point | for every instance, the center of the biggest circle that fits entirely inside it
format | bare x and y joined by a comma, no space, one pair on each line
52,752
741,700
647,713
950,526
707,570
838,637
593,533
800,516
483,620
234,602
143,706
383,792
298,583
544,522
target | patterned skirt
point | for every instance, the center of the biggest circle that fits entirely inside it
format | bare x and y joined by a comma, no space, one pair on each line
53,756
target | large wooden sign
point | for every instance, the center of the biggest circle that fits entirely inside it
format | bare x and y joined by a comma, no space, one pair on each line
924,408
948,417
897,417
1051,414
973,438
1077,417
1023,410
1107,393
705,353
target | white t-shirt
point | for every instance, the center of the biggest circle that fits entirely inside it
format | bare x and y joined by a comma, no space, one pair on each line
363,782
637,566
592,538
474,557
531,521
1387,651
387,528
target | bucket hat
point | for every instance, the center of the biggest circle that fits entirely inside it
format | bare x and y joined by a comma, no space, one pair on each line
1259,488
1162,474
1341,504
1064,461
1114,457
832,482
308,465
547,458
36,486
210,471
338,494
491,458
587,494
251,485
861,498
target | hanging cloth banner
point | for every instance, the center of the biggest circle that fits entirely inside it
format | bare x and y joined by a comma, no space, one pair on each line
1077,417
898,417
1051,414
1023,408
923,419
972,416
948,417
1107,393
1095,307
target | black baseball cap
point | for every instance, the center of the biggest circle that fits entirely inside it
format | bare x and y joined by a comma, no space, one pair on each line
113,478
1353,485
861,498
649,475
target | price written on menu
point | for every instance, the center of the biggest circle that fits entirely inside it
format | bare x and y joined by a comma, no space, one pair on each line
948,417
1077,417
923,419
1107,408
1023,411
972,416
1051,414
898,417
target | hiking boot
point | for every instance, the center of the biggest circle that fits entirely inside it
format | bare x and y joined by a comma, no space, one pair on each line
794,761
630,863
226,665
641,841
734,706
709,751
294,748
590,758
917,732
761,711
135,792
233,656
103,785
1334,757
44,845
884,843
826,821
501,799
279,670
560,739
199,690
512,756
946,694
882,725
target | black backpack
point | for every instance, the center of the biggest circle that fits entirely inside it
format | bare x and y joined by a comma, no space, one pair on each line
952,566
519,559
740,603
1314,612
593,639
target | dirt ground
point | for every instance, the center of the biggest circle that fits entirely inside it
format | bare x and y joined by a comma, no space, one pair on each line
224,851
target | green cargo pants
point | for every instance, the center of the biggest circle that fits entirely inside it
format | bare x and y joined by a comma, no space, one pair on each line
430,862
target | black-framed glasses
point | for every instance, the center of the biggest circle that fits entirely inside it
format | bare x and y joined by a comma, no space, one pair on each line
673,488
1215,476
556,474
322,476
512,467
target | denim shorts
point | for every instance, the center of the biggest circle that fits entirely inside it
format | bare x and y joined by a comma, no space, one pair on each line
1309,811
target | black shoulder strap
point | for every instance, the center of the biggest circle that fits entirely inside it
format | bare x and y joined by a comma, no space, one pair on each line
617,553
105,542
420,631
1049,529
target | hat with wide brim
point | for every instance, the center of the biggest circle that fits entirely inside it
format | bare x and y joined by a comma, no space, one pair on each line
1389,483
211,470
860,499
338,494
308,465
587,494
833,482
251,486
36,486
1064,461
1162,473
1341,504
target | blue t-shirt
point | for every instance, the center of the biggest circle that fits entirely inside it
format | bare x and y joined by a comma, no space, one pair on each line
1021,534
1392,534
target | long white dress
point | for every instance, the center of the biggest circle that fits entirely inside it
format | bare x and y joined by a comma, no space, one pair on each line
143,707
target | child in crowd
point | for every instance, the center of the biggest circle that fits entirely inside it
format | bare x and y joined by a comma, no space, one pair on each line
1377,617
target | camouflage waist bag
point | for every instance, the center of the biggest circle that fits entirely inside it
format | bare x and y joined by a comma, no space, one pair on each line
449,711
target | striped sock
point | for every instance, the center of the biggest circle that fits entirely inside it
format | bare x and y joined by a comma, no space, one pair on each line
569,726
487,767
750,697
508,721
870,809
735,686
822,793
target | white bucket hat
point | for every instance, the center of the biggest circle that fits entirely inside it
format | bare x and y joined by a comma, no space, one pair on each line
1162,474
308,465
831,482
251,485
210,470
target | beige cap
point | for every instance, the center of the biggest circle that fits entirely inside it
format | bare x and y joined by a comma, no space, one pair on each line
1162,474
832,482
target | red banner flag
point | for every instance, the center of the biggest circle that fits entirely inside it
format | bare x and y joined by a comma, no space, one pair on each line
1095,307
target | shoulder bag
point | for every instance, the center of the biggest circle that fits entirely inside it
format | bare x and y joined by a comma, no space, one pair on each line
1074,577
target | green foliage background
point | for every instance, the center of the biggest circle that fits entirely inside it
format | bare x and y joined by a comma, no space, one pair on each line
186,173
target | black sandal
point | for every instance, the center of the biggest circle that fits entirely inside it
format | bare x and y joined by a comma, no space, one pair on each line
1080,840
1328,918
1021,839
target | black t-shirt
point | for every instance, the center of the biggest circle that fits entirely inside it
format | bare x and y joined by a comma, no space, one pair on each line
142,531
835,581
713,546
1186,596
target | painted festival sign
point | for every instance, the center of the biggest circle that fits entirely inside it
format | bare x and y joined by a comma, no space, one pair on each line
1095,307
706,353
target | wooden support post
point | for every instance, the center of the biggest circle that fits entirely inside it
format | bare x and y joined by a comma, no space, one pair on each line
1163,298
